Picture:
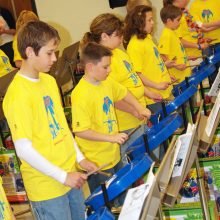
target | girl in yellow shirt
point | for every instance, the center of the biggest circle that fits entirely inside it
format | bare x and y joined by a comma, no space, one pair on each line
144,54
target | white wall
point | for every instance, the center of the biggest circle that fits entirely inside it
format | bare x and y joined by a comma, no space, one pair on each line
73,17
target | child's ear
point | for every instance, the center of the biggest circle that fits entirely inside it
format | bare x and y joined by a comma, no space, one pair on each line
104,36
29,52
89,67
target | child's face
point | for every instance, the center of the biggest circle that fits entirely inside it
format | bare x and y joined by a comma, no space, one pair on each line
175,23
101,70
149,23
112,41
45,58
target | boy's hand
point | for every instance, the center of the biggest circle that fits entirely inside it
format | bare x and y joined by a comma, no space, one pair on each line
75,179
173,78
119,138
170,63
204,45
87,165
162,85
180,67
144,112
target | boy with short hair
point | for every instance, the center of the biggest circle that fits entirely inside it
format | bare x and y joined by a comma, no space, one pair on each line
40,132
170,46
93,114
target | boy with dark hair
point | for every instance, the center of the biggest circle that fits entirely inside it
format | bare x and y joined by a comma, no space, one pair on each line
170,46
40,132
93,114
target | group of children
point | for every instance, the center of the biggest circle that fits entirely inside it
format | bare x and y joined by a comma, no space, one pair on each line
108,102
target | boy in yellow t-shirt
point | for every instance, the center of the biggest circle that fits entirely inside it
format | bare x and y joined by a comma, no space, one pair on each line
5,209
170,46
94,120
41,135
5,65
144,54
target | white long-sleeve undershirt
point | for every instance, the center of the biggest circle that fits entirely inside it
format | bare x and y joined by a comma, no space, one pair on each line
26,152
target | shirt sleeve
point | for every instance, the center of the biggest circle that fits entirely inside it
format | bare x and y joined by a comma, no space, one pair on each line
164,44
119,91
26,152
136,56
19,115
81,119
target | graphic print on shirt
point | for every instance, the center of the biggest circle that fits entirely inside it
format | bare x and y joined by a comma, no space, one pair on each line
206,14
7,66
183,51
133,76
108,110
160,61
2,210
53,124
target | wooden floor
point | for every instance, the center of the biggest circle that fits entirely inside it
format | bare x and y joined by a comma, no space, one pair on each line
21,208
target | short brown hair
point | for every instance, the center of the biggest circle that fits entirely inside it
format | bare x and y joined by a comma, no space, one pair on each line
93,52
170,12
35,34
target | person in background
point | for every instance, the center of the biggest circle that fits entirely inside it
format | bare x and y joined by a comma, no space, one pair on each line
191,35
42,138
5,209
207,13
107,29
144,54
24,17
131,4
170,46
7,31
5,65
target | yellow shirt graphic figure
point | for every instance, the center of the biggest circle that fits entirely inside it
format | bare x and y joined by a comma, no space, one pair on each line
5,65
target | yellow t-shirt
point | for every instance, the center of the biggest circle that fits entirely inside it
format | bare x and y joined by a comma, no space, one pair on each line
122,72
170,45
33,111
5,210
5,65
189,35
93,109
17,55
146,59
207,11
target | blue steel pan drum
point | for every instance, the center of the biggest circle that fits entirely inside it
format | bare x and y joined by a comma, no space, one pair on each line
199,74
157,134
102,214
120,181
175,104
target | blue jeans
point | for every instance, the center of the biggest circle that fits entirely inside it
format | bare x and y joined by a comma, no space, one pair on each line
67,207
123,148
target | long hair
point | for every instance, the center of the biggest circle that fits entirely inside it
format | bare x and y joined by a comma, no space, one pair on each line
135,23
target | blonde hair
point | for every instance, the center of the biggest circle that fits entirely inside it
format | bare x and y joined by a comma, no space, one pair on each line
131,4
24,17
